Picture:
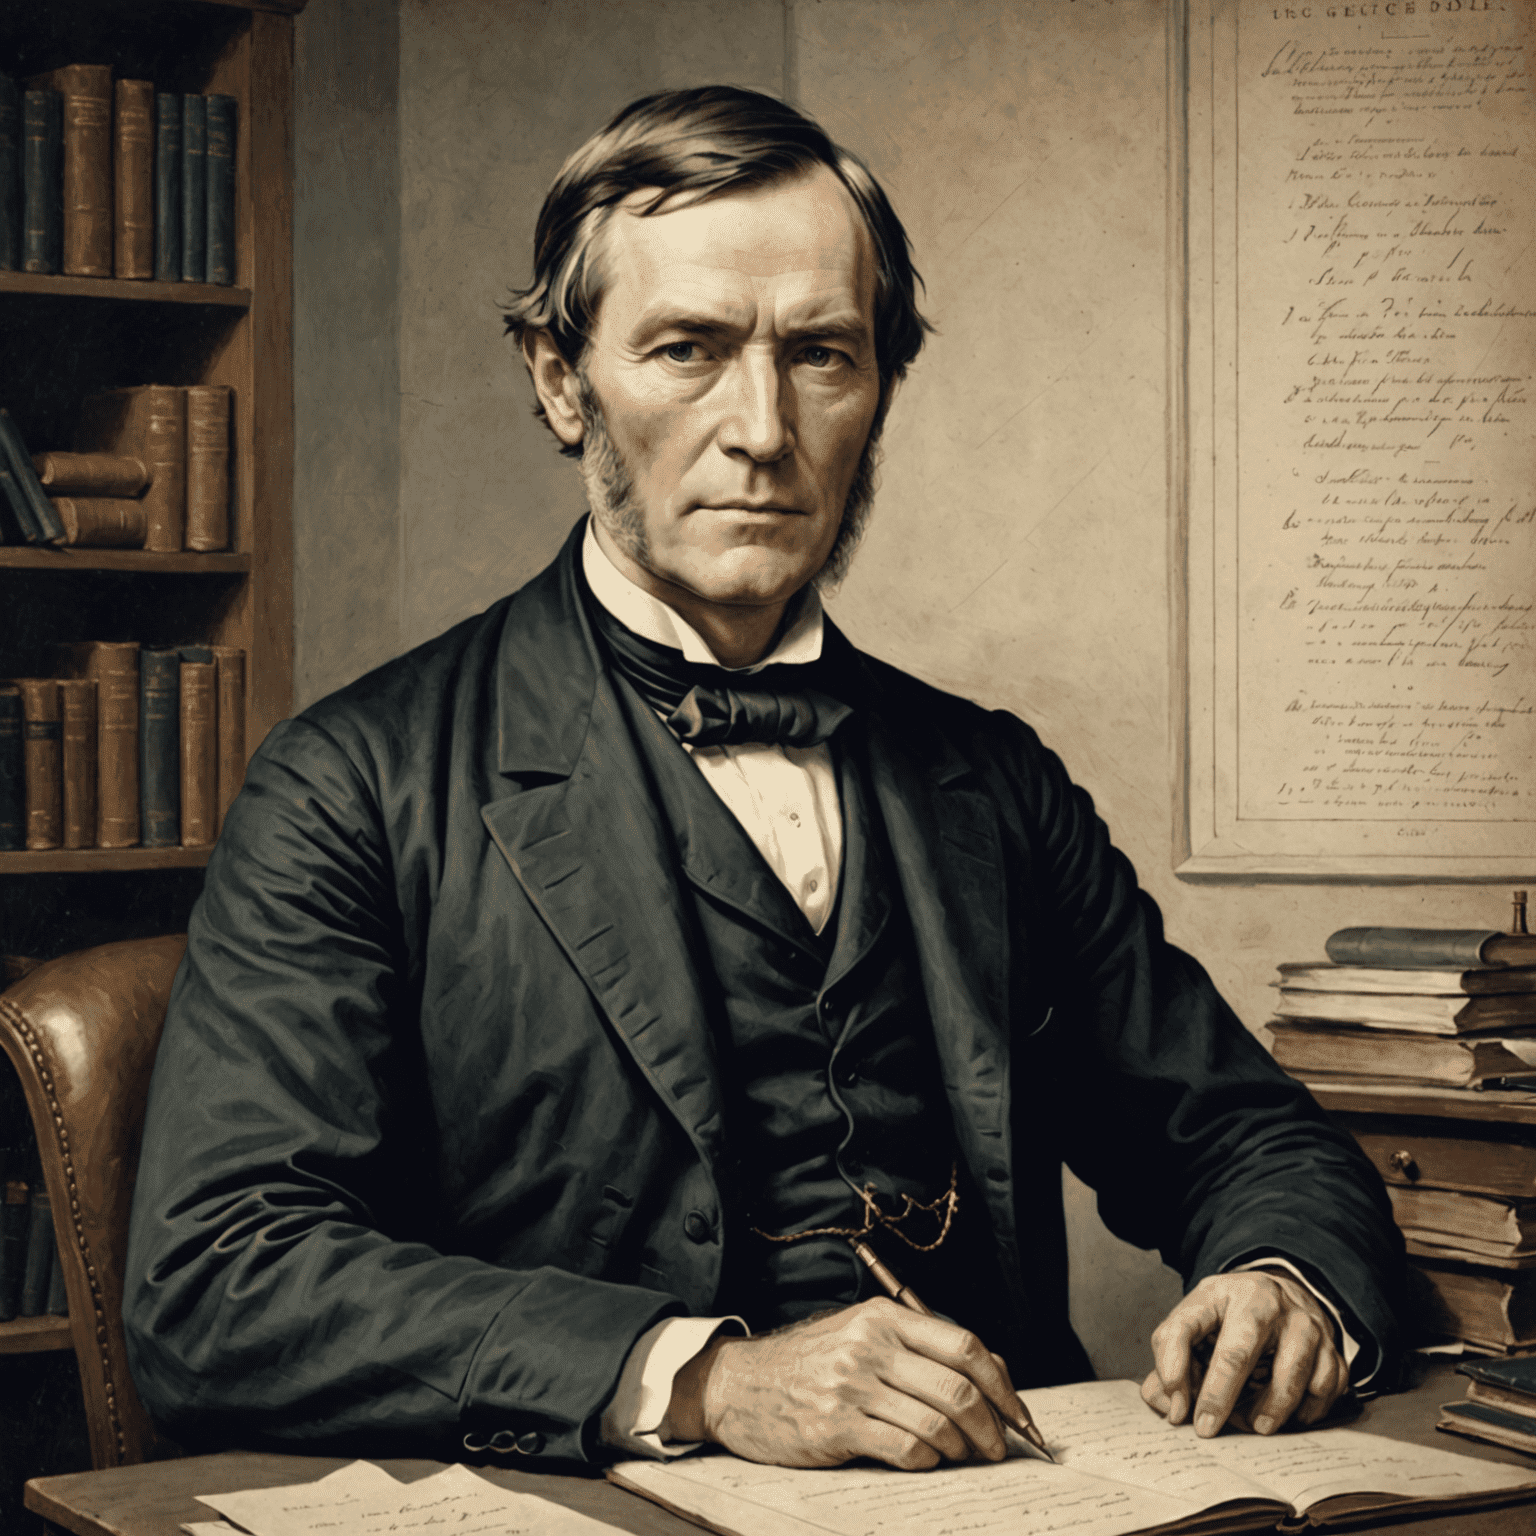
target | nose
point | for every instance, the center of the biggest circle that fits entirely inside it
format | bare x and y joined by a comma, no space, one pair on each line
758,421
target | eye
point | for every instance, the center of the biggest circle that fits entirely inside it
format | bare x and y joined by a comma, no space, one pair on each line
681,352
819,357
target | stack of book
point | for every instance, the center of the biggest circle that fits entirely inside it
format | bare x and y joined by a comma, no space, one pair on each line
1451,1009
104,178
1500,1405
122,746
150,470
31,1278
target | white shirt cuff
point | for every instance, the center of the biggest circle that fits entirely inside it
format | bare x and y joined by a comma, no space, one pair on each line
1349,1345
633,1419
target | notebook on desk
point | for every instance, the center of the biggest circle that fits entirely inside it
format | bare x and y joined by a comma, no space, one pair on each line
1120,1470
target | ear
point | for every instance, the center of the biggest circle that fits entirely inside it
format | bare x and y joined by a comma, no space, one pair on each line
554,381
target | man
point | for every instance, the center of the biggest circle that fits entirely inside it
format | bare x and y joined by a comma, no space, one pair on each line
564,994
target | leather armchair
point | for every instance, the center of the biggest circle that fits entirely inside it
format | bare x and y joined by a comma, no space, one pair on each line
81,1032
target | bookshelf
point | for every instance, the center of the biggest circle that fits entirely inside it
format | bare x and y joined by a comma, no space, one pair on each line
79,335
67,337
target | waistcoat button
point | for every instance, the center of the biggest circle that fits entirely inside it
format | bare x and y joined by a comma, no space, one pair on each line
698,1226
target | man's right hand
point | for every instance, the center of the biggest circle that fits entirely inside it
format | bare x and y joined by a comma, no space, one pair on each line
873,1380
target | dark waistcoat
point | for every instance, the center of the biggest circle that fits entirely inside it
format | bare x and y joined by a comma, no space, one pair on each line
827,1060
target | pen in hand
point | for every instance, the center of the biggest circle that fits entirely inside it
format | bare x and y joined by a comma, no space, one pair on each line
905,1296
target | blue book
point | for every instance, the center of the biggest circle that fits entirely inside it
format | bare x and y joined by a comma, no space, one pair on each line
219,152
13,775
45,516
42,181
24,524
194,189
160,747
39,1270
10,175
168,187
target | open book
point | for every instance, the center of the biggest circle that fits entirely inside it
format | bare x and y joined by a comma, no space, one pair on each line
1121,1469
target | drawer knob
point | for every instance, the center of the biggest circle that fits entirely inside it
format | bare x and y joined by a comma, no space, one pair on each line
1402,1162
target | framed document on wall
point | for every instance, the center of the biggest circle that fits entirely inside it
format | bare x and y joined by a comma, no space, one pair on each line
1355,474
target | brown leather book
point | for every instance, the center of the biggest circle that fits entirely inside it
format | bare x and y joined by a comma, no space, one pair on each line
230,660
133,233
77,704
114,667
148,423
199,754
208,466
90,474
42,740
101,522
87,93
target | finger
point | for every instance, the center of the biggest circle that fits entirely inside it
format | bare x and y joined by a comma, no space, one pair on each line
947,1392
1172,1350
1330,1381
1239,1347
1295,1361
895,1446
920,1419
964,1354
1153,1395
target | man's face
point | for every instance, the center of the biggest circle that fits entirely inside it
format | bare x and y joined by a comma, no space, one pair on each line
733,362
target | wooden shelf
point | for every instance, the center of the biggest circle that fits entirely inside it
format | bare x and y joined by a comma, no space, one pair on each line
85,861
146,292
34,1335
30,557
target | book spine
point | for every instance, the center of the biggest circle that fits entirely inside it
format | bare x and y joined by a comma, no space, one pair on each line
230,660
115,669
168,187
101,522
13,773
133,234
87,170
10,175
34,1285
199,754
159,758
77,704
1410,948
58,1296
21,510
43,515
90,474
222,114
208,466
42,734
165,457
13,1247
194,189
42,181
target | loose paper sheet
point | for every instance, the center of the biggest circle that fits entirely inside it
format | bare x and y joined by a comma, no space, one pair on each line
1362,370
364,1500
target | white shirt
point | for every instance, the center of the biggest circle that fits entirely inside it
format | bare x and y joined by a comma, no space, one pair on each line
786,801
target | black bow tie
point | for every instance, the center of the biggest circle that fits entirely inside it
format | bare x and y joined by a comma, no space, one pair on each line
708,706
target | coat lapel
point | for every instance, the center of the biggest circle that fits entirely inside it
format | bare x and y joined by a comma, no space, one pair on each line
586,843
944,839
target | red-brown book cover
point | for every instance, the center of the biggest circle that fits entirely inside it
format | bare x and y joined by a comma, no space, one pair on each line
77,706
87,93
133,168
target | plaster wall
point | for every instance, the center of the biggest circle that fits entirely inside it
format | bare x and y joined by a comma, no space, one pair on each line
1019,552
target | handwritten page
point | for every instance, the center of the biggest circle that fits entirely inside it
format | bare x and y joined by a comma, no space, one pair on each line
1105,1429
364,1500
1371,510
1120,1468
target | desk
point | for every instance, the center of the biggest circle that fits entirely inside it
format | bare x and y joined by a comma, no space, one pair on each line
153,1500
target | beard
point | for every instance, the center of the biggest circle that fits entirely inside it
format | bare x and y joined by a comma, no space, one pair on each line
611,495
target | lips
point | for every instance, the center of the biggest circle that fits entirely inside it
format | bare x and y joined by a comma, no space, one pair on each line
751,506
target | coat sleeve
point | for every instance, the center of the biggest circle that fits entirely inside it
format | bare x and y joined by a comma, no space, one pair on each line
283,1284
1196,1143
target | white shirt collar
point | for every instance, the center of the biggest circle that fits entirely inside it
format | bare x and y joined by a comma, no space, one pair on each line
651,619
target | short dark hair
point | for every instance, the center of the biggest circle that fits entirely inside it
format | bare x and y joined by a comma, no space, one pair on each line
701,143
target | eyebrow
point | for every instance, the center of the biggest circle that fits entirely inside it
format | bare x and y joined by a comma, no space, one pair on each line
842,325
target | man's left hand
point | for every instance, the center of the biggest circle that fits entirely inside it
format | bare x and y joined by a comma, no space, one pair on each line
1253,1315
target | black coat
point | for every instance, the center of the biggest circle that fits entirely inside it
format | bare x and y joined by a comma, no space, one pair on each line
436,1130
